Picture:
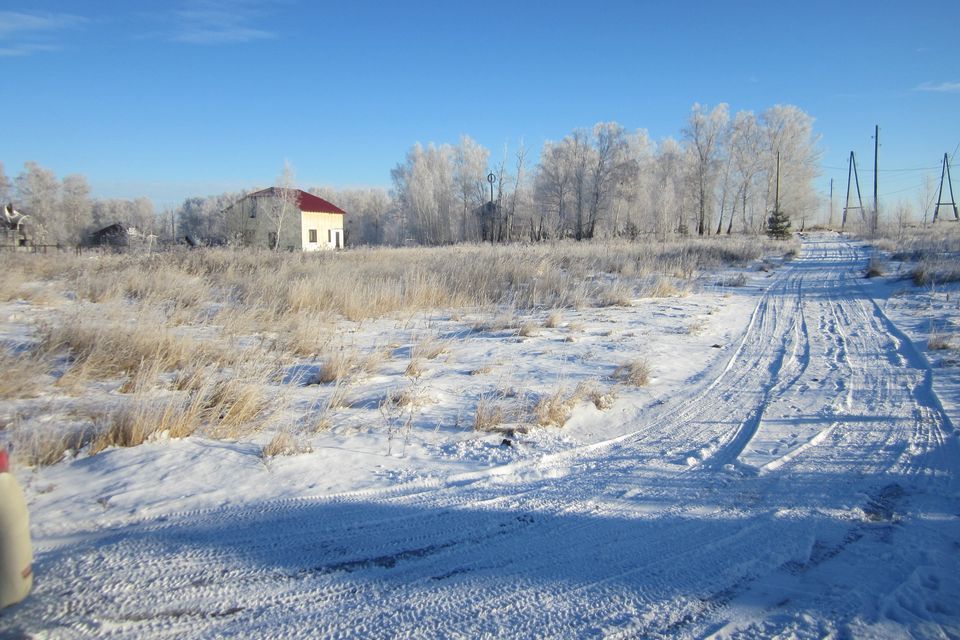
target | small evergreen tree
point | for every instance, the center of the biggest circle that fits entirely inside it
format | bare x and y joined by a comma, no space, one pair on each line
778,225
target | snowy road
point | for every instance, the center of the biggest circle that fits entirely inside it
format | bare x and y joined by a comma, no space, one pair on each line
807,486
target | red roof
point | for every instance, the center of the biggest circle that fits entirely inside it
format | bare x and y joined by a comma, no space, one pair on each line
306,201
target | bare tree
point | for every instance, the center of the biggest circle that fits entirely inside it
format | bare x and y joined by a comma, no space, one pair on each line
746,156
789,132
38,192
470,168
519,197
5,187
281,205
426,194
76,206
554,190
704,135
609,162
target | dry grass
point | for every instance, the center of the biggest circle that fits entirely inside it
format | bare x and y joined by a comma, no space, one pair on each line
429,347
369,283
554,409
490,412
177,416
663,288
553,319
635,372
44,445
284,444
739,280
101,346
527,329
616,294
337,365
935,271
236,407
181,332
875,268
697,327
592,391
939,342
23,374
414,368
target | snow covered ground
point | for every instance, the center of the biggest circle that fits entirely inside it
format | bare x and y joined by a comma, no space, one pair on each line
791,470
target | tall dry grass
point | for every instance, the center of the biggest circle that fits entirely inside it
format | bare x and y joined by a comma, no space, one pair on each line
189,286
195,338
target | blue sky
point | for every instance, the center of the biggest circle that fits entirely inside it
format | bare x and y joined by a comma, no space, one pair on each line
172,99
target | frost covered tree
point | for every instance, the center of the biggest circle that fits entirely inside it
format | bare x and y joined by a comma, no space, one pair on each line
746,157
4,186
370,213
281,207
202,218
76,206
632,206
609,167
670,181
469,174
789,132
38,194
554,191
704,135
426,194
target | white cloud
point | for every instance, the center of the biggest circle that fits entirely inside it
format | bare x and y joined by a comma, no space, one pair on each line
15,50
215,22
22,34
939,87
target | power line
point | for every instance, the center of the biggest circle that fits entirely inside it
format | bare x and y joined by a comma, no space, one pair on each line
890,193
823,166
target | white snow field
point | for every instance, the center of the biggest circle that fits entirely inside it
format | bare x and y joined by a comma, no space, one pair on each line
800,482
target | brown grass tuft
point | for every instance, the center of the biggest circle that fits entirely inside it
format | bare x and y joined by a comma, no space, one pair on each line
635,372
283,444
489,412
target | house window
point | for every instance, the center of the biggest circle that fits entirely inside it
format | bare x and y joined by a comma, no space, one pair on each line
329,235
272,240
313,236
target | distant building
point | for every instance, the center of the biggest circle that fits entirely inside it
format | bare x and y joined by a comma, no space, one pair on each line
289,218
119,235
15,230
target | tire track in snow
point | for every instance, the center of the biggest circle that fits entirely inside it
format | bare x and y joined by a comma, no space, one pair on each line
520,554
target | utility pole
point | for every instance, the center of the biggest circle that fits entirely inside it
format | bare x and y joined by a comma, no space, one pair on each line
776,201
852,178
945,173
876,204
830,219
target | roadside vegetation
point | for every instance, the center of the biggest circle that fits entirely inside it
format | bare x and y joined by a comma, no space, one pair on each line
126,349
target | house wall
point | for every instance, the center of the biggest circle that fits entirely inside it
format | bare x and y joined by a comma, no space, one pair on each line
254,230
325,224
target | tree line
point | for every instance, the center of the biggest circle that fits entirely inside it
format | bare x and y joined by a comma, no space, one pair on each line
63,211
603,181
719,177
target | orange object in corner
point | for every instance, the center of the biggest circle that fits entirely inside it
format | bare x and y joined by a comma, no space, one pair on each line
16,553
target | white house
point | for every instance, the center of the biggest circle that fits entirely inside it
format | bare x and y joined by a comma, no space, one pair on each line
293,219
